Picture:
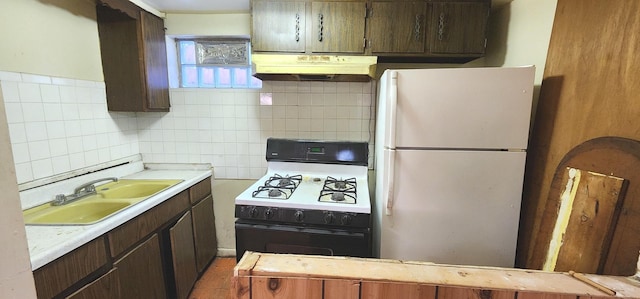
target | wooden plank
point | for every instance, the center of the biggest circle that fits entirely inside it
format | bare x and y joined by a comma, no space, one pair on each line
536,295
240,287
326,267
445,292
382,290
341,289
285,288
583,221
623,286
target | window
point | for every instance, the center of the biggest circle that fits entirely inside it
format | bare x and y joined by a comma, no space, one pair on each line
214,63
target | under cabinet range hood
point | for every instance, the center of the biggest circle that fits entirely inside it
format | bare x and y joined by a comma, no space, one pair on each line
284,67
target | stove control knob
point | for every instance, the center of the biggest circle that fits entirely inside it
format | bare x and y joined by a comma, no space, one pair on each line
346,219
299,216
268,213
328,218
253,212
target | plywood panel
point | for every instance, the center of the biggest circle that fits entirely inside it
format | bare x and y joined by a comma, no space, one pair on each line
533,295
589,90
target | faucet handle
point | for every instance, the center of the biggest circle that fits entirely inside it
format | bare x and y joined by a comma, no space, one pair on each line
60,199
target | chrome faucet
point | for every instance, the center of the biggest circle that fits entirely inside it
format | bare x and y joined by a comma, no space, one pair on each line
81,191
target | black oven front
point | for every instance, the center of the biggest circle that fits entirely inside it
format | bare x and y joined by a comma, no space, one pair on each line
270,237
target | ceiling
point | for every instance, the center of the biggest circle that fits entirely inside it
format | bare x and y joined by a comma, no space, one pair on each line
217,6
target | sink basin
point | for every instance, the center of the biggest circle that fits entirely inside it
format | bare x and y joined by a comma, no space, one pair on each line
133,188
81,212
110,199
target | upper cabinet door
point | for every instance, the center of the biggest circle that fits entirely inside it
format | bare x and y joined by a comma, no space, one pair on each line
459,28
337,27
278,27
155,62
397,27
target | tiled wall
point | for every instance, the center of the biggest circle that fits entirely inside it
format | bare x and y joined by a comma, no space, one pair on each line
228,128
57,125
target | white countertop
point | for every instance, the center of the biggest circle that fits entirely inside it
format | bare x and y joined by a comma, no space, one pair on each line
47,243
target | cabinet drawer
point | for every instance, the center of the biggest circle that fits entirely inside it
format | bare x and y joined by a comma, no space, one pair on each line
134,230
60,274
200,190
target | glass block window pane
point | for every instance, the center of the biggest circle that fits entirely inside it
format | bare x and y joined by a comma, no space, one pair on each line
207,77
240,77
189,76
187,52
224,77
216,64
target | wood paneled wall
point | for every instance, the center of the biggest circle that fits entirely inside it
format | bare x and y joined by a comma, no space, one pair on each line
590,89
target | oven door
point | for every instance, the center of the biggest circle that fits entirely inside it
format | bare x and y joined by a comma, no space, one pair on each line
297,239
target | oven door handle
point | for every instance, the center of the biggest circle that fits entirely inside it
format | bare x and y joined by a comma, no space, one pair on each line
390,181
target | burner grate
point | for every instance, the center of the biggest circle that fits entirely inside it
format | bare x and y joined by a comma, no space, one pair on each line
339,190
278,187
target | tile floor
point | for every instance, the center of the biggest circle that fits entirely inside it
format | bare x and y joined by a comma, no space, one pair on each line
215,283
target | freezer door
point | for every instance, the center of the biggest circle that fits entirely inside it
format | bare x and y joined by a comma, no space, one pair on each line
453,207
477,108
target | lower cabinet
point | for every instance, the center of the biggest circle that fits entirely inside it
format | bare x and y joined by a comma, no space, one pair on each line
158,254
183,256
140,271
204,232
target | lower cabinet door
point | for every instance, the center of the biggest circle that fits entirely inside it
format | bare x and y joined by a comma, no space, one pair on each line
183,255
140,271
105,287
204,232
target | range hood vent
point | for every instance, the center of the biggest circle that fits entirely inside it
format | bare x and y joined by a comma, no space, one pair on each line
283,67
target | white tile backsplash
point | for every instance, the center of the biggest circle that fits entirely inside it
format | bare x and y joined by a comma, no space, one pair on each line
59,125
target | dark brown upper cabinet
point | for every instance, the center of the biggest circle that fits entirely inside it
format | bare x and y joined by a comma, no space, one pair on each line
278,26
459,27
397,27
308,27
134,57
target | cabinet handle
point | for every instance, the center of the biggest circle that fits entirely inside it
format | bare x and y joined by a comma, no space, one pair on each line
441,25
417,29
320,27
297,27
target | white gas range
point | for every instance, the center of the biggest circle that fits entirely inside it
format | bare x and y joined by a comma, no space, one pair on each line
311,187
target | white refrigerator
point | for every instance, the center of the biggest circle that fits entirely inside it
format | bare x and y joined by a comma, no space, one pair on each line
450,152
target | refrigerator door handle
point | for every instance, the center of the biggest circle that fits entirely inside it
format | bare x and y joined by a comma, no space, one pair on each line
392,105
390,181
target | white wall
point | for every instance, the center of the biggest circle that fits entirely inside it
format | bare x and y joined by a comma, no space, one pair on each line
519,34
48,37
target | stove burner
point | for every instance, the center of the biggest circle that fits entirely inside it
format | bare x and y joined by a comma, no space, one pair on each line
283,182
337,196
338,191
274,193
